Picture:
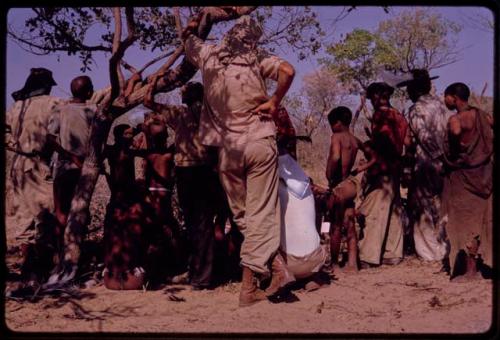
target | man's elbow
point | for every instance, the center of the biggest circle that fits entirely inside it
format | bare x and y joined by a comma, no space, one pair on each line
287,69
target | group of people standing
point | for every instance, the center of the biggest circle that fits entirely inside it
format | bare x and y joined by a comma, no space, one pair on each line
230,163
443,159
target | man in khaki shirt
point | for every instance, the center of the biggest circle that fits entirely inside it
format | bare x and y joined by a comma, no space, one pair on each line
195,177
237,118
26,137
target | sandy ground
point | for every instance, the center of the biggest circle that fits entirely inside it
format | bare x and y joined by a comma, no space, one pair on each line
408,298
411,297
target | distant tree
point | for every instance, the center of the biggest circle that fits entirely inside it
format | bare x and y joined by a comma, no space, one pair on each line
413,39
356,59
419,39
308,107
292,26
321,91
416,38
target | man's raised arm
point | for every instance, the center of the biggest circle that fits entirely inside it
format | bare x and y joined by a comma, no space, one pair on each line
169,112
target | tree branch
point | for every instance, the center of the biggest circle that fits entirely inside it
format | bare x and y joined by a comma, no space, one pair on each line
178,23
173,78
47,50
119,49
68,36
117,84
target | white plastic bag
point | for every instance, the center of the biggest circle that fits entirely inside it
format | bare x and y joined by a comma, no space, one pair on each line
295,178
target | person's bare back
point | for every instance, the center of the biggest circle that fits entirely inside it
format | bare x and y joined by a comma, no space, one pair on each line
349,149
462,124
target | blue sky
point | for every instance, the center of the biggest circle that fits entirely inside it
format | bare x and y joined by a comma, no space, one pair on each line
474,68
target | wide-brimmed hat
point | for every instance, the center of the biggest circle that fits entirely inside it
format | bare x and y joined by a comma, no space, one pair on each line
416,76
39,78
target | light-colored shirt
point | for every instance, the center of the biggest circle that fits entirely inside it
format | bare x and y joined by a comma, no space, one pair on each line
298,215
71,123
29,121
428,119
189,151
231,91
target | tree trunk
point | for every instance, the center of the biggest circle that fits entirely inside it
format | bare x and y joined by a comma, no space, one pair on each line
79,215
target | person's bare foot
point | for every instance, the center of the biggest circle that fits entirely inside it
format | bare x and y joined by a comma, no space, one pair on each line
127,280
467,278
181,278
367,265
312,286
392,261
350,269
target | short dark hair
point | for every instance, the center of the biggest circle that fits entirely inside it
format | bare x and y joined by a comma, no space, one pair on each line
195,89
380,89
342,114
119,130
81,86
460,90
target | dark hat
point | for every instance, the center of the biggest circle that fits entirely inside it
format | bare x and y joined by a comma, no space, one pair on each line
39,78
417,76
379,88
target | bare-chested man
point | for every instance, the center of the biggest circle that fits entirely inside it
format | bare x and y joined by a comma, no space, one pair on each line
343,149
468,184
159,183
125,217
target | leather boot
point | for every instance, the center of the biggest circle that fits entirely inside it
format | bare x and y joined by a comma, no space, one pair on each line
249,293
281,276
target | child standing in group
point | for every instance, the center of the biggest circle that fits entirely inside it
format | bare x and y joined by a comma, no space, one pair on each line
343,150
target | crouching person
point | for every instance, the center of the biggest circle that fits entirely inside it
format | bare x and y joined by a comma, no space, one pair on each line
300,241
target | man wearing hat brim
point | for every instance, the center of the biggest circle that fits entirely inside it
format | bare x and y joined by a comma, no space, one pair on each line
427,119
30,174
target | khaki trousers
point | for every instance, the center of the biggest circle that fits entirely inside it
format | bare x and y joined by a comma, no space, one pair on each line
33,190
383,231
249,175
305,266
